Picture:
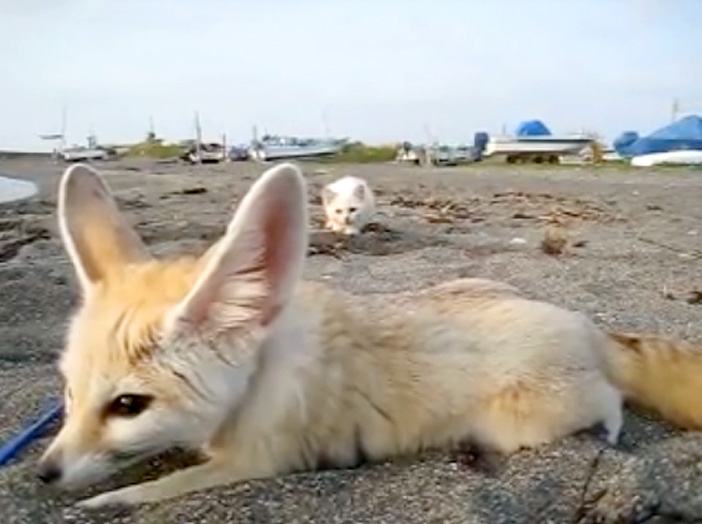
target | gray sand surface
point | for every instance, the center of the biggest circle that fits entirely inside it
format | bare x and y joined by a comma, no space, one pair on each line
637,266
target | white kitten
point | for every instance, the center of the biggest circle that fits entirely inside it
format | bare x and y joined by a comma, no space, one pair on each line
349,205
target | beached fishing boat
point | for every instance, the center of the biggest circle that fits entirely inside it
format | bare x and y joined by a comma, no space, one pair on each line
78,153
681,157
677,143
408,153
533,141
206,153
445,155
537,148
275,147
82,154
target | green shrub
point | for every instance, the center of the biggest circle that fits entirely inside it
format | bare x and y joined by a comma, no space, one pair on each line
360,153
155,148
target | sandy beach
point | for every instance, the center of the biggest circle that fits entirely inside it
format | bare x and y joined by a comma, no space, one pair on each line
633,262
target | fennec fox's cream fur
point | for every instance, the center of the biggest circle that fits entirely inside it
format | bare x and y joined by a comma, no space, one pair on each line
234,354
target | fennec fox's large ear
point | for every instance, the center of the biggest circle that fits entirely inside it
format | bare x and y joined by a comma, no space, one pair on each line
251,272
96,236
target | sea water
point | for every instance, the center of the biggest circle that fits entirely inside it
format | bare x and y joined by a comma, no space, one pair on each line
14,189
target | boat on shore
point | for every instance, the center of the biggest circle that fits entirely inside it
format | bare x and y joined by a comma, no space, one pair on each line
537,148
276,147
204,153
678,143
82,154
533,141
680,158
79,153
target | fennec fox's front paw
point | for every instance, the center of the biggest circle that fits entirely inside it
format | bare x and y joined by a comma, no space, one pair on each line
196,478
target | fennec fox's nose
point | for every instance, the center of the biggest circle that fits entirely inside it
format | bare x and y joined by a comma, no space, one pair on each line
48,471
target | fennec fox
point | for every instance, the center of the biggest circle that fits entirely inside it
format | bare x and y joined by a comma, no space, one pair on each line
233,354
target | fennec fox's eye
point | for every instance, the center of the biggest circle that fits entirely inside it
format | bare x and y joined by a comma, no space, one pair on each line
128,405
352,210
337,211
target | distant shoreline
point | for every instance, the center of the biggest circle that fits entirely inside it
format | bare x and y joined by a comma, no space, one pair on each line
23,154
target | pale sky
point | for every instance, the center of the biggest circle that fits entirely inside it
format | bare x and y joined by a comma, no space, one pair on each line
376,71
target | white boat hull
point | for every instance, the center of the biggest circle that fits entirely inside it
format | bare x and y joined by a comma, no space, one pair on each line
269,153
83,154
687,157
535,145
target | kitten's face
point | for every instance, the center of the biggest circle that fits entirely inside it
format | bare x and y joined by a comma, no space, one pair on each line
346,211
344,217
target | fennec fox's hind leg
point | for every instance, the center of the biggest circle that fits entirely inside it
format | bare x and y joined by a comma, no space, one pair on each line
526,415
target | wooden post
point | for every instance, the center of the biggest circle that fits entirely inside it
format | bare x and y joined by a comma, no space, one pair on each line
198,138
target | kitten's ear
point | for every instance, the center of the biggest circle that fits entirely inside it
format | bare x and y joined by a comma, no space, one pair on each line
359,191
250,274
96,236
328,195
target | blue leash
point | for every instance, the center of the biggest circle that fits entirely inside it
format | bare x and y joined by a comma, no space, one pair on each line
52,411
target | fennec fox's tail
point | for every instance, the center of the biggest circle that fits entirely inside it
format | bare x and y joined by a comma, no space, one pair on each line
662,375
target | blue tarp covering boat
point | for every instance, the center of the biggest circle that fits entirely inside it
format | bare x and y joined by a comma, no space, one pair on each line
532,128
683,134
